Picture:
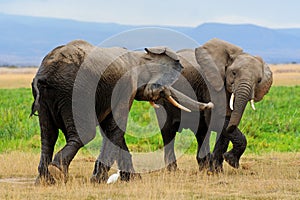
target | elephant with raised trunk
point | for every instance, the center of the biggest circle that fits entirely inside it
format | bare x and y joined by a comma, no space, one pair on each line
79,86
222,73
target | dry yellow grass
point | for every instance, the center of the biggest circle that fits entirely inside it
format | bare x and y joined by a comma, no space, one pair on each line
269,176
16,78
286,74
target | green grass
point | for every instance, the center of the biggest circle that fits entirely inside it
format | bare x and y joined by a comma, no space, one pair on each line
274,126
17,130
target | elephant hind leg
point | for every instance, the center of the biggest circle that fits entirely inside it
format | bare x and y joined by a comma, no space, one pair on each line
60,164
49,135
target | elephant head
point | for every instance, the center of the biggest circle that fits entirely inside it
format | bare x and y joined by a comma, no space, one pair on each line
163,69
163,66
245,77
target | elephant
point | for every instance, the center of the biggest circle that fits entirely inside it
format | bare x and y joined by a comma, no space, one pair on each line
224,74
79,86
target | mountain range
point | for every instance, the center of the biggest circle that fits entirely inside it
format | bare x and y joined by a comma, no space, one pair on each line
25,40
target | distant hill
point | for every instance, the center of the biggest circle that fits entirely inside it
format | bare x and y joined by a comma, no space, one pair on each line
26,40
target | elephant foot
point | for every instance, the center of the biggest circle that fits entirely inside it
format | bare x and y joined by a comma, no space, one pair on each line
57,173
127,176
100,174
217,165
215,168
172,167
231,159
99,178
218,168
204,163
42,180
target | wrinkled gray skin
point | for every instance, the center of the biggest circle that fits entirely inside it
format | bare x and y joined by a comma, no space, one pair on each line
224,69
75,69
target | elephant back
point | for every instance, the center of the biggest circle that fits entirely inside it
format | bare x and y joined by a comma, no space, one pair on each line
103,59
59,67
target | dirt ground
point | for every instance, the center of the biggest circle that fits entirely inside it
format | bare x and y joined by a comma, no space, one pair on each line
283,75
270,176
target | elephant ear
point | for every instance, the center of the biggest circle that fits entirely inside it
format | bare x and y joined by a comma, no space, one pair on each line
163,50
264,86
214,57
209,68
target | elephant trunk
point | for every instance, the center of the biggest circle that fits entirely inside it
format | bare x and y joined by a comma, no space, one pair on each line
242,96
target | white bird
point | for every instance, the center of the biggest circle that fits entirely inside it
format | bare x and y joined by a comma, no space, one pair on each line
113,178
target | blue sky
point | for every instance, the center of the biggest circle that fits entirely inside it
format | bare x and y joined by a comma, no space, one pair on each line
269,13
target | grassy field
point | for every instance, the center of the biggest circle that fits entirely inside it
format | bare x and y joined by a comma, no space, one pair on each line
269,176
270,168
273,127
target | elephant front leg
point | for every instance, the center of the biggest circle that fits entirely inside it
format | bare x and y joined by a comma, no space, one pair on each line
104,161
113,149
203,152
221,146
125,164
219,150
168,135
169,154
239,142
124,159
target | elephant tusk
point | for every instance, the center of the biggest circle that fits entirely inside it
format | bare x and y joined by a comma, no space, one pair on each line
231,101
252,104
172,101
154,105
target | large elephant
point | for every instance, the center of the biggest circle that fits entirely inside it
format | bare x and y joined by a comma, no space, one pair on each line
222,73
79,85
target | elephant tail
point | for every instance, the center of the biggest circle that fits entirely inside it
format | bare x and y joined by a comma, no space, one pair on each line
36,94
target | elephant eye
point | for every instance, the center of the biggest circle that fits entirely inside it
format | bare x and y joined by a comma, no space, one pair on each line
259,80
233,73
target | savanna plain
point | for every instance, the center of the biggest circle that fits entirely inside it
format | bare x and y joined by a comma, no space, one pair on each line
270,167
